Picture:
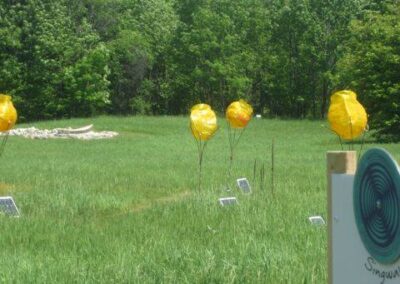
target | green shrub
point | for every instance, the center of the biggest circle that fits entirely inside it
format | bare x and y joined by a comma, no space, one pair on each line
371,67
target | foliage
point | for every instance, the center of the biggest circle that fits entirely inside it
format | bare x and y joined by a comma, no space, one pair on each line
50,64
138,34
87,80
130,61
164,56
371,67
210,62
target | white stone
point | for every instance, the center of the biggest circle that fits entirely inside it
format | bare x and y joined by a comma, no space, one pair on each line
83,133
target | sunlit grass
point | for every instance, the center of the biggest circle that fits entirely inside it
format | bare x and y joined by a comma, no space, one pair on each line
128,210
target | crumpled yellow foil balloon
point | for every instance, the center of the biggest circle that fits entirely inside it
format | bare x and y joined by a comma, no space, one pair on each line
346,115
239,114
203,122
8,114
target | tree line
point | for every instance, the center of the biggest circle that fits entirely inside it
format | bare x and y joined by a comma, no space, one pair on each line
67,58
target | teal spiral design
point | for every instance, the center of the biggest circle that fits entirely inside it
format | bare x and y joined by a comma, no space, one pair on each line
376,200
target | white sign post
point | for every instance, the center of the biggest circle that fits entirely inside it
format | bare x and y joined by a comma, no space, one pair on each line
348,259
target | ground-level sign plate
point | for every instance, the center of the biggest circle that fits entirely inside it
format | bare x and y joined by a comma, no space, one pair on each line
224,201
244,185
8,207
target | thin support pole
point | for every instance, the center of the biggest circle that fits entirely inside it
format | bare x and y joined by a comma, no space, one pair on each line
338,162
272,165
362,145
200,146
3,143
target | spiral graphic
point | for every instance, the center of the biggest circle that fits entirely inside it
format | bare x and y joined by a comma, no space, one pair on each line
376,198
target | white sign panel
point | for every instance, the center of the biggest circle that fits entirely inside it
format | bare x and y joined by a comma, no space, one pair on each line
244,185
8,207
316,220
227,201
350,260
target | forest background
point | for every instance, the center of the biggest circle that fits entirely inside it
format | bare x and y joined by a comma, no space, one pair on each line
74,58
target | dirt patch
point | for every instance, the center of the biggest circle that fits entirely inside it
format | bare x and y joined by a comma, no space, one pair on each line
5,188
159,201
99,219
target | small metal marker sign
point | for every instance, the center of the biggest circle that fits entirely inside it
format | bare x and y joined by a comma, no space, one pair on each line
244,185
317,220
224,201
8,207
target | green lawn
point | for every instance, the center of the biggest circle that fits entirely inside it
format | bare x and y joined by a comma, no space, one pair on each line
128,210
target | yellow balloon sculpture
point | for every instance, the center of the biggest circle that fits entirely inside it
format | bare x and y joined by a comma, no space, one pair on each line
8,114
203,122
347,117
239,114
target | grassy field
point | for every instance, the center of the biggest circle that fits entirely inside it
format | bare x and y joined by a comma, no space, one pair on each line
126,210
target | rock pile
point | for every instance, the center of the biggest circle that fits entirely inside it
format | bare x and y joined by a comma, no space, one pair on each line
83,133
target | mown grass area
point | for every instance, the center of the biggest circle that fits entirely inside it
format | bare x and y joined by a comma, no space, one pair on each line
126,210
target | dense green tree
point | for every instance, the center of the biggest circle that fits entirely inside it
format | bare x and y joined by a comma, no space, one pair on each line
11,69
138,34
211,60
88,81
61,58
46,54
307,37
328,35
130,61
286,86
371,67
156,21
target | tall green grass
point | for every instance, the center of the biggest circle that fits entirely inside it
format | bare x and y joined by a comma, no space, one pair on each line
127,210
